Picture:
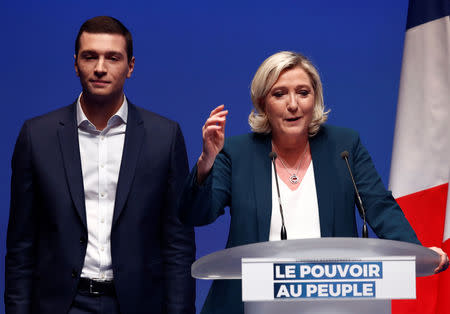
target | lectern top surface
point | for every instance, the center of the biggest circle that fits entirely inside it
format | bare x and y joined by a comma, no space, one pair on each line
226,264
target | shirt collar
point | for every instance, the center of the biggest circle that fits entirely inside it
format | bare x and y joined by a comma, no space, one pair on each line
122,113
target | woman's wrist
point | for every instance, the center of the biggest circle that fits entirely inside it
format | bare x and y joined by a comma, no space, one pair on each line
204,165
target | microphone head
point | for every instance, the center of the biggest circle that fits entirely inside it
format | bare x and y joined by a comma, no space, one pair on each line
272,155
344,154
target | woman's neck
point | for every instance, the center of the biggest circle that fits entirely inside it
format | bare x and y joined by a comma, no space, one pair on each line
291,150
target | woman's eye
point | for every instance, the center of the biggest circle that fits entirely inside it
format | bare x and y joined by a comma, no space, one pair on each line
304,92
278,94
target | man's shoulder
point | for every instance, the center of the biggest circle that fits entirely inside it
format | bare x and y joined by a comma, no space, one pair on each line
61,114
152,118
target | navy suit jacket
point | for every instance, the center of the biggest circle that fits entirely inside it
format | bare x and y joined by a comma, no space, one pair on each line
47,235
241,179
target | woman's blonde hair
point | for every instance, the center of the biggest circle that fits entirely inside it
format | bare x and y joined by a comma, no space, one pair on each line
265,78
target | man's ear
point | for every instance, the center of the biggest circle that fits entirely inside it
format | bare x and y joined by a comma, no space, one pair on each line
131,67
76,64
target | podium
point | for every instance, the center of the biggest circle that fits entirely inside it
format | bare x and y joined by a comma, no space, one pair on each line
325,275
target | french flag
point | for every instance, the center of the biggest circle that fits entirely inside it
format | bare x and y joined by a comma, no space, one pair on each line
420,168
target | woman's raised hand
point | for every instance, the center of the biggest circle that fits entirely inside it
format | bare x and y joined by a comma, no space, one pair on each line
213,133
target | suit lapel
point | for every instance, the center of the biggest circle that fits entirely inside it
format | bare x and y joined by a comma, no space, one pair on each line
324,183
68,140
134,137
262,175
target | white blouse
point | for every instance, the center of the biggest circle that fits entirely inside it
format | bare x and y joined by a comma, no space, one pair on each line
300,208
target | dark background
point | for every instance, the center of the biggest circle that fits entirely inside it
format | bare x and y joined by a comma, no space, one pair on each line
192,56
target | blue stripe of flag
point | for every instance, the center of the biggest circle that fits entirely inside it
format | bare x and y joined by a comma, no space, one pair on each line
423,11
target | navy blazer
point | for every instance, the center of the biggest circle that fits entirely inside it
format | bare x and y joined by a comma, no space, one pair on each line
47,235
241,179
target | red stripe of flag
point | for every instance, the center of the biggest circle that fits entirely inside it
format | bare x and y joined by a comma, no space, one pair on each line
425,211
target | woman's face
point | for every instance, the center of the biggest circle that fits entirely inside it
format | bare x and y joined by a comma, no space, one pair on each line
289,104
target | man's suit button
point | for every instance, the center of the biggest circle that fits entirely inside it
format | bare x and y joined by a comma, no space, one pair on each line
82,240
74,273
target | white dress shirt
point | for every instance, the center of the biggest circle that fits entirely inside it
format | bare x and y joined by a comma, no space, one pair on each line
101,156
300,209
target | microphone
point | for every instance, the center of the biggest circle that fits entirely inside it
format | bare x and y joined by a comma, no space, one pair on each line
359,204
273,156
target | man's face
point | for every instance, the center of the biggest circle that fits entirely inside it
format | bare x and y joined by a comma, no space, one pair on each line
102,65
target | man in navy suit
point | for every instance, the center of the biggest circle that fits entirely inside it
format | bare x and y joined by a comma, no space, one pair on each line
94,192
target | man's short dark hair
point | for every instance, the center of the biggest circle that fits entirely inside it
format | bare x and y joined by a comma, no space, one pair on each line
108,25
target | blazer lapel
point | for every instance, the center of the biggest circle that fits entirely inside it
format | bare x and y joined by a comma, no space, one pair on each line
134,137
322,172
262,174
68,140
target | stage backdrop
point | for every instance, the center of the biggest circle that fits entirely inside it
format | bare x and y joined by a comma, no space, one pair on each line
194,55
